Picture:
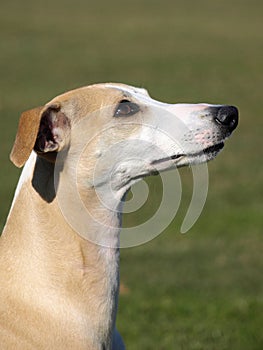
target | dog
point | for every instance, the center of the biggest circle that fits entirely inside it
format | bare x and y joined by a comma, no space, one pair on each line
59,268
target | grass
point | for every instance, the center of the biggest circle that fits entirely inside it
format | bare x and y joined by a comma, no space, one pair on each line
202,290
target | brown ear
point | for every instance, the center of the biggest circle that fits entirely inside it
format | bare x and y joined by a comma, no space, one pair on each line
43,129
26,136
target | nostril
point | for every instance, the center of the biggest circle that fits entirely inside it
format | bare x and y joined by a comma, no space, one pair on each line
227,116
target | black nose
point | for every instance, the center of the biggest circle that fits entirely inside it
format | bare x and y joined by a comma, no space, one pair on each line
227,116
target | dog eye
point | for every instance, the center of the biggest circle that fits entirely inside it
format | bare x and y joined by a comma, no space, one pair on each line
126,108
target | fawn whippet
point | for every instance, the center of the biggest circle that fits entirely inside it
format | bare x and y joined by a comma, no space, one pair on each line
59,289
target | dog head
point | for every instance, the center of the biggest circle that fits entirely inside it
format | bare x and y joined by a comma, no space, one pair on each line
119,134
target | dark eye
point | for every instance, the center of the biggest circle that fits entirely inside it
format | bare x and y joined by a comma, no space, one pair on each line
126,108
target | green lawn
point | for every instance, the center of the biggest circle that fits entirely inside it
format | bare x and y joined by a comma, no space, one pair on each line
202,290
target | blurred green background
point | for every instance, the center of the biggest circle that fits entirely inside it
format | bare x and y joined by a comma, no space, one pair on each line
202,290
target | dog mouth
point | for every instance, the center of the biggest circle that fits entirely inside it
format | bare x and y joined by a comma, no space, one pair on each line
175,161
216,148
205,154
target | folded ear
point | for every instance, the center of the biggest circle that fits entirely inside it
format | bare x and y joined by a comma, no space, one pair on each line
44,129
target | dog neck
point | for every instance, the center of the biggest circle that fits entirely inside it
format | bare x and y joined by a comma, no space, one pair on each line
79,272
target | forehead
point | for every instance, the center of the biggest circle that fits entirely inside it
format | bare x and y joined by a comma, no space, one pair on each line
96,96
127,90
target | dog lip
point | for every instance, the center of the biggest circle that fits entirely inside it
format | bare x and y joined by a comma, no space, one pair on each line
173,157
212,149
209,150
